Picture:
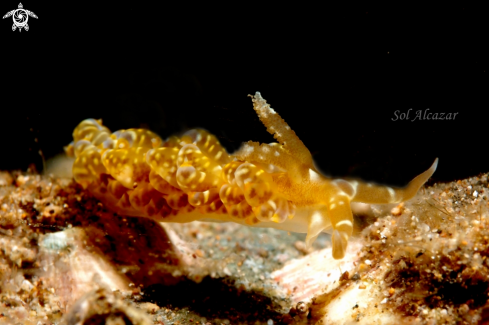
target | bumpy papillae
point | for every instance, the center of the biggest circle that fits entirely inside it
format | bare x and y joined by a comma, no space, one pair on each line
134,172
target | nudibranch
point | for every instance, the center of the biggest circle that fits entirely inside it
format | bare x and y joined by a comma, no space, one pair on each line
192,177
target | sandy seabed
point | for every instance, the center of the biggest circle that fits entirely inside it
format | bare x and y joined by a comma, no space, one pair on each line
65,259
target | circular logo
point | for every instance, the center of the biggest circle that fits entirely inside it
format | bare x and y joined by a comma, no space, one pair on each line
20,17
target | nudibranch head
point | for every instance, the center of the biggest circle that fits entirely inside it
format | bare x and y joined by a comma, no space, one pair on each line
192,177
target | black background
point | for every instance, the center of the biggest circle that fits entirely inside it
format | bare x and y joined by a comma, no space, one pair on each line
336,75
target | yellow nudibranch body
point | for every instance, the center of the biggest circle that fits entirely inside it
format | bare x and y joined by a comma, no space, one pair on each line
192,177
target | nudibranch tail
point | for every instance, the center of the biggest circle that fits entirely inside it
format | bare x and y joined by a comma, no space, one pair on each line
192,177
371,193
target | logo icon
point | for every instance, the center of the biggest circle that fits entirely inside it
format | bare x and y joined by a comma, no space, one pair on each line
20,17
